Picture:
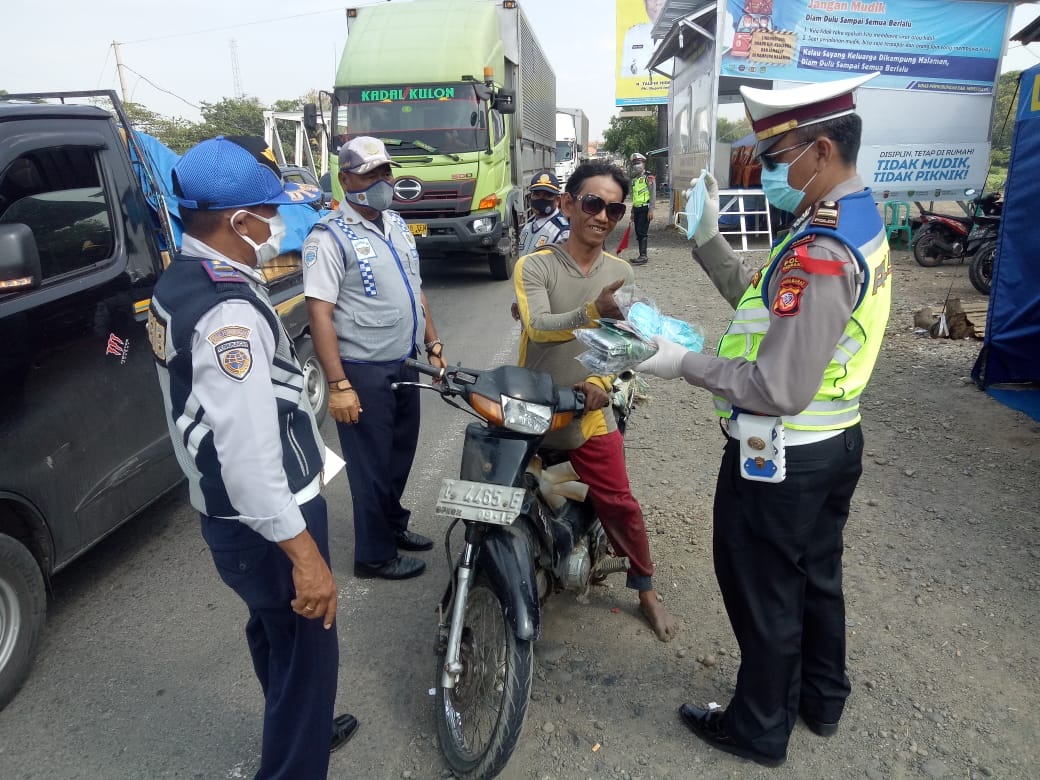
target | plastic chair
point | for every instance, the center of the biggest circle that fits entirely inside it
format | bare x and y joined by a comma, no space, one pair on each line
897,220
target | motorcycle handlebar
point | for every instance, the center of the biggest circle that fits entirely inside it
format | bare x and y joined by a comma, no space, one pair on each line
424,368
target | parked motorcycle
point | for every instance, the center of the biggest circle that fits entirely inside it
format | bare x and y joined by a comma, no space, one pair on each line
980,270
941,237
528,534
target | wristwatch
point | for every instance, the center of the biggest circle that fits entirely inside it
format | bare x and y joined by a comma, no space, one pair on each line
431,348
341,385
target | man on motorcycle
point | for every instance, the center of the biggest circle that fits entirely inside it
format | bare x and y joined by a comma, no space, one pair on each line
563,287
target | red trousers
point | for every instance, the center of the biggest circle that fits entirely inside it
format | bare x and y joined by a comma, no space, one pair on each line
600,464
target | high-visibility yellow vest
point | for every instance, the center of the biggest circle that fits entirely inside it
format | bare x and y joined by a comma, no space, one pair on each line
640,191
854,221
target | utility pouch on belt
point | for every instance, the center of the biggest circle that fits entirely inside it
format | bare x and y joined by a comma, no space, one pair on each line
761,447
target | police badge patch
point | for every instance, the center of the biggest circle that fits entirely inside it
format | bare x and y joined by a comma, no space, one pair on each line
310,255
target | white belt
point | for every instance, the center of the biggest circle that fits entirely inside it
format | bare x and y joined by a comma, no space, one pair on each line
312,490
796,438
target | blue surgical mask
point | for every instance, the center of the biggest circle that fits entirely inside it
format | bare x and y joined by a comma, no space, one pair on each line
778,189
379,195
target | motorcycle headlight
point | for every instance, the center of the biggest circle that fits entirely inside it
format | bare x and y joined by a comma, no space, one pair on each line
524,417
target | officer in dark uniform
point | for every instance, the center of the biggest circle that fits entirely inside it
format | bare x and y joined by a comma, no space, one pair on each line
787,379
245,436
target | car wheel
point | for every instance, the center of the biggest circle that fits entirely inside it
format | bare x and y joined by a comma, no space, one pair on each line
314,380
23,607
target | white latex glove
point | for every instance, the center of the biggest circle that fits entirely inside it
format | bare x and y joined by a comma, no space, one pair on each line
708,227
667,362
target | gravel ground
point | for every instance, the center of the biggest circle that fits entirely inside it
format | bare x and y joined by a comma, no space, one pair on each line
940,578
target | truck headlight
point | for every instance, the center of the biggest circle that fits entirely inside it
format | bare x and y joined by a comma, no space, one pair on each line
483,225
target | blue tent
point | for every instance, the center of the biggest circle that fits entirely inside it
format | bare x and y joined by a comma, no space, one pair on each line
1011,349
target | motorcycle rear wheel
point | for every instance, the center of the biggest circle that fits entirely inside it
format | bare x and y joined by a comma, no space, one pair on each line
980,270
480,719
925,251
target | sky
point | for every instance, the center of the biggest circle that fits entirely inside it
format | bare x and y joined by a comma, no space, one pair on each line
178,55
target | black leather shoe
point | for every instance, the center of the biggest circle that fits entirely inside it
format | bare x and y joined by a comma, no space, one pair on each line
820,728
343,728
707,725
641,260
409,540
400,568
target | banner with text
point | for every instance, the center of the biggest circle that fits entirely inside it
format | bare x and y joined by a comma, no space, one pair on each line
636,86
928,45
924,171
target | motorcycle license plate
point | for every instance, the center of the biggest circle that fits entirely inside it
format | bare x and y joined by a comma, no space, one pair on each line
494,504
419,229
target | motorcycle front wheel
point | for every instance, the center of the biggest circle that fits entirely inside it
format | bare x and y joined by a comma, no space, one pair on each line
480,719
926,252
980,270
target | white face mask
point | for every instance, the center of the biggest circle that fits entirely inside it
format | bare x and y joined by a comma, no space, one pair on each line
269,249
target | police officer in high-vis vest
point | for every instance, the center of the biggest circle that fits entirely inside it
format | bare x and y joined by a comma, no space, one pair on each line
787,380
644,193
368,313
245,437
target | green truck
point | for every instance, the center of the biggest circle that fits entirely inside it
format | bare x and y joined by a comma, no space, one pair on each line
465,100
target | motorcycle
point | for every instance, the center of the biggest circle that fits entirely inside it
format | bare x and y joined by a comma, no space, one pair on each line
980,270
941,237
528,534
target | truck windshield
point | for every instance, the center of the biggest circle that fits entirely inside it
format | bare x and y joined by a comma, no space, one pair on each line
447,117
564,151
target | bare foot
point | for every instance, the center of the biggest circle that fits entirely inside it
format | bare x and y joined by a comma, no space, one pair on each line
657,616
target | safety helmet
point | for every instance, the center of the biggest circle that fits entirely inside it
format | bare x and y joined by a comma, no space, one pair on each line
637,157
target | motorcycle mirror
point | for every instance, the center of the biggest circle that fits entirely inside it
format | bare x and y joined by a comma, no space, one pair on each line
971,191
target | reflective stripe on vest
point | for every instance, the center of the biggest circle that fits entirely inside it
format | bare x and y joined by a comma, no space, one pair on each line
836,404
640,192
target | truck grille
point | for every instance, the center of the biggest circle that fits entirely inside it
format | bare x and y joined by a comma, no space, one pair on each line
436,199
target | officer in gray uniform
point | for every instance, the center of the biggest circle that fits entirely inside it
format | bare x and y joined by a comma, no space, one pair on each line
368,315
245,436
547,224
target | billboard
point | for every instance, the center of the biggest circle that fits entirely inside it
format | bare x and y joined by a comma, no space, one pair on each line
636,86
920,45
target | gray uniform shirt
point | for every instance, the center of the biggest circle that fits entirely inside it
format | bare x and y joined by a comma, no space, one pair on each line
540,231
795,351
373,280
244,422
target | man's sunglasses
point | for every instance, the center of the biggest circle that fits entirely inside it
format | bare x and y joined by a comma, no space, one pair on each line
768,159
594,204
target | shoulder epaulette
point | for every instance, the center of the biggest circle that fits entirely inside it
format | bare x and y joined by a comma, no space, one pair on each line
825,214
220,271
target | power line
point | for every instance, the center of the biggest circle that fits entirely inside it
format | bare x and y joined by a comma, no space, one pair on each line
236,26
172,94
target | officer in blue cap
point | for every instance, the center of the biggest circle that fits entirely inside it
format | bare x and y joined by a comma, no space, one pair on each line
246,439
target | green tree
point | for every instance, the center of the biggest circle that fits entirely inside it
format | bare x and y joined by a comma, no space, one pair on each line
233,116
626,135
1002,129
727,131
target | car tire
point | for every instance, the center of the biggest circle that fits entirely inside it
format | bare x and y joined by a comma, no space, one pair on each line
23,608
315,382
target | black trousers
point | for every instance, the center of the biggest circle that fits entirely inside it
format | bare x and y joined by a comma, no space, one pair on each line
777,551
295,659
641,221
379,450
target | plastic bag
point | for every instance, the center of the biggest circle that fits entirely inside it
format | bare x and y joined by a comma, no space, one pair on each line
691,214
649,322
613,347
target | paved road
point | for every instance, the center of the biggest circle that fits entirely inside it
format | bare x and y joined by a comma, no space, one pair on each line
143,670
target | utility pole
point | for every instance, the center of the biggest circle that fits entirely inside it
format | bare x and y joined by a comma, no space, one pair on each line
119,70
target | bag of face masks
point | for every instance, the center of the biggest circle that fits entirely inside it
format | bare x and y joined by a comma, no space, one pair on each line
691,214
